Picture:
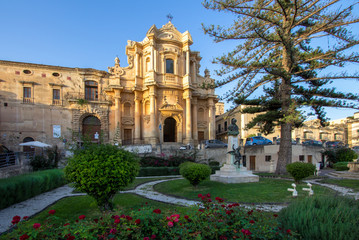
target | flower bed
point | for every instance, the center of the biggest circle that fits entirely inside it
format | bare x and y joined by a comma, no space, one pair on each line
213,220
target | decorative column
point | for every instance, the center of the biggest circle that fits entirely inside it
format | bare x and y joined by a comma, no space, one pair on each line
118,129
153,130
212,116
152,57
187,62
137,139
187,96
194,121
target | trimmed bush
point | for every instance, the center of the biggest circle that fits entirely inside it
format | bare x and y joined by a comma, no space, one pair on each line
101,171
322,218
299,170
195,172
340,155
20,188
171,161
341,166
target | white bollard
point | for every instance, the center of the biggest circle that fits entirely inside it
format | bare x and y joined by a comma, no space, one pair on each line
295,193
310,190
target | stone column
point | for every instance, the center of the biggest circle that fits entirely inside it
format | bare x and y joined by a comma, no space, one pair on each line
187,63
188,117
137,139
194,120
194,73
118,110
211,116
153,130
152,57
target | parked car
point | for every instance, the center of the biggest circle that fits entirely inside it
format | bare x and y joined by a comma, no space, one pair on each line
258,140
7,157
313,143
278,141
334,144
214,144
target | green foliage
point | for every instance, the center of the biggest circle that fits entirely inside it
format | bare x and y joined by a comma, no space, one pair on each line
216,220
20,188
299,170
195,172
329,218
340,155
163,161
341,166
213,163
101,171
158,171
46,161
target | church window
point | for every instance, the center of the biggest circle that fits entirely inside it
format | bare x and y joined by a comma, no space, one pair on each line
26,71
91,91
148,64
169,66
127,109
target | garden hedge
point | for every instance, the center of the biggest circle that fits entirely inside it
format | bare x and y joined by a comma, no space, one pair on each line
164,171
341,166
20,188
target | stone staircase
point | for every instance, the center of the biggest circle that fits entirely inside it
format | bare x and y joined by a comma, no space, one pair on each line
344,174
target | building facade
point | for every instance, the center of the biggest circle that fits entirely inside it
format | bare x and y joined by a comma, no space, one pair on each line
337,130
157,98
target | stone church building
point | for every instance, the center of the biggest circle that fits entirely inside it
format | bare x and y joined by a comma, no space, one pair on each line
157,98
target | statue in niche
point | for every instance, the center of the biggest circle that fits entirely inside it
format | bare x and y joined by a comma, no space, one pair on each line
233,128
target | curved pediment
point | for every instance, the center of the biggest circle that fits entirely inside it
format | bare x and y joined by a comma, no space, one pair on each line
169,32
171,107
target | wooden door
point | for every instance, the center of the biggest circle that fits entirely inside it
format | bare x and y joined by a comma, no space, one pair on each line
200,136
310,158
127,138
252,163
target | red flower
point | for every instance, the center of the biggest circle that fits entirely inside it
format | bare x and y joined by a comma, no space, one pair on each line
66,224
275,215
289,231
70,237
113,231
129,218
117,221
146,203
81,217
25,217
170,224
153,236
24,237
222,237
52,212
158,211
251,221
16,219
208,195
200,195
218,199
146,238
250,212
201,210
95,220
228,212
36,225
246,232
186,217
138,221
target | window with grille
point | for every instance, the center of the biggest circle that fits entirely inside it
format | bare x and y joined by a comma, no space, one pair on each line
91,91
56,96
27,95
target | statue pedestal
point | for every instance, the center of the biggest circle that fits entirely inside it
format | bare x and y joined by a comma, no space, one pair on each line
229,173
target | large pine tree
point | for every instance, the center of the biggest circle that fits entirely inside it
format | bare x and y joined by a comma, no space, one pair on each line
278,43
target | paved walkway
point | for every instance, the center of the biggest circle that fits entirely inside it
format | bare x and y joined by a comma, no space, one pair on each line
36,204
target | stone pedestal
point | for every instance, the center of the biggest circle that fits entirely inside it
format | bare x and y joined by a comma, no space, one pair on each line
230,173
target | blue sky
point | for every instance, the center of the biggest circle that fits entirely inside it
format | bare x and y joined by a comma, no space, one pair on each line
90,34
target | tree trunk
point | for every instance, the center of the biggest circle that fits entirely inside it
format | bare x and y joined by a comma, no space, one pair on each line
285,148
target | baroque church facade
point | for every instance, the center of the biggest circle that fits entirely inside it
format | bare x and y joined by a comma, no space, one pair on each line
157,98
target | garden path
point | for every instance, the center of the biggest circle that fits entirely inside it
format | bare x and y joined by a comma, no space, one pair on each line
36,204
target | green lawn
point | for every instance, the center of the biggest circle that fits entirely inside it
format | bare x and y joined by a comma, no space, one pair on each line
349,183
266,190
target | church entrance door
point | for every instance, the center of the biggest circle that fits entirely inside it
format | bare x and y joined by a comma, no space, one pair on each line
91,128
169,130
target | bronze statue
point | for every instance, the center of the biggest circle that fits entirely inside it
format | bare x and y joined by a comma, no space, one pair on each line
233,128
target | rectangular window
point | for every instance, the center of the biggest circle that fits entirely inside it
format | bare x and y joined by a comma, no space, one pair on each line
225,126
169,66
27,95
268,158
219,128
301,158
56,96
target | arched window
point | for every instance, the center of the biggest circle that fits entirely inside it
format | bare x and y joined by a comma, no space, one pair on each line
127,109
91,90
148,64
169,66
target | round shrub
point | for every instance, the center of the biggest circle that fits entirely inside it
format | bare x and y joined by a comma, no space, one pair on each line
101,171
195,172
322,218
299,170
341,166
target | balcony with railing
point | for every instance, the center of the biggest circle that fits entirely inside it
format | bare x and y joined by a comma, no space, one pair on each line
27,100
